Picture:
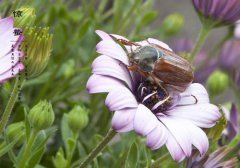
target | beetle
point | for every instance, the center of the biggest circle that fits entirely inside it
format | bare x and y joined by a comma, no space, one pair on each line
160,64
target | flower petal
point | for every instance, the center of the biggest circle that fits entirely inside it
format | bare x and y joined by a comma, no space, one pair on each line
120,98
6,24
103,35
179,132
11,73
10,41
100,83
144,121
158,137
174,149
160,43
122,120
194,91
7,62
186,134
112,49
104,65
202,115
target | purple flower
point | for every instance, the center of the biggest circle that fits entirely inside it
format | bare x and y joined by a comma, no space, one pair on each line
232,122
185,46
222,12
9,54
214,160
230,59
178,126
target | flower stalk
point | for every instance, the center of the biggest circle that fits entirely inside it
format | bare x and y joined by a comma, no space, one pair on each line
200,41
111,133
11,102
27,150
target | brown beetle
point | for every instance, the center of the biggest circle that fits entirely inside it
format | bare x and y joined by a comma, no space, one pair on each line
160,64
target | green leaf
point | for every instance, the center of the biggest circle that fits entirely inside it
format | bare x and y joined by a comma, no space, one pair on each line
5,148
234,141
36,157
65,130
27,123
70,145
133,156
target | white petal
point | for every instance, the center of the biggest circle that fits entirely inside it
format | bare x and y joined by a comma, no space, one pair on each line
122,120
160,43
103,35
9,41
198,92
11,73
104,65
144,121
174,149
6,24
120,98
186,134
9,60
112,49
100,83
179,132
202,115
158,137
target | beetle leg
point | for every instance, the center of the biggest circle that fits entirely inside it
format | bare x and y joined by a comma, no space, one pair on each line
126,42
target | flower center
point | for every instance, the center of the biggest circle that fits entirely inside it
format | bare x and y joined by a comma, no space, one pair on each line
153,96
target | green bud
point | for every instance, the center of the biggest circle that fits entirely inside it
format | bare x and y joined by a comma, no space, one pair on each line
77,118
172,24
59,161
37,48
41,116
27,18
67,69
215,132
14,130
217,82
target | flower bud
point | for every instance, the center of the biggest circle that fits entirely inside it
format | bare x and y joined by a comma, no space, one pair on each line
37,47
27,18
217,82
41,116
172,24
59,160
77,118
14,130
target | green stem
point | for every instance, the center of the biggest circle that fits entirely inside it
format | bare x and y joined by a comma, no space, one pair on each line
27,149
200,40
111,133
12,100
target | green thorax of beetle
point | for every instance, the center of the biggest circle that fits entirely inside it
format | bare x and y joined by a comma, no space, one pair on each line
145,57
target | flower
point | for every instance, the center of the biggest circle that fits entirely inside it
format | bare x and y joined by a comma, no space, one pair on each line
229,59
213,160
220,12
177,127
185,46
9,54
